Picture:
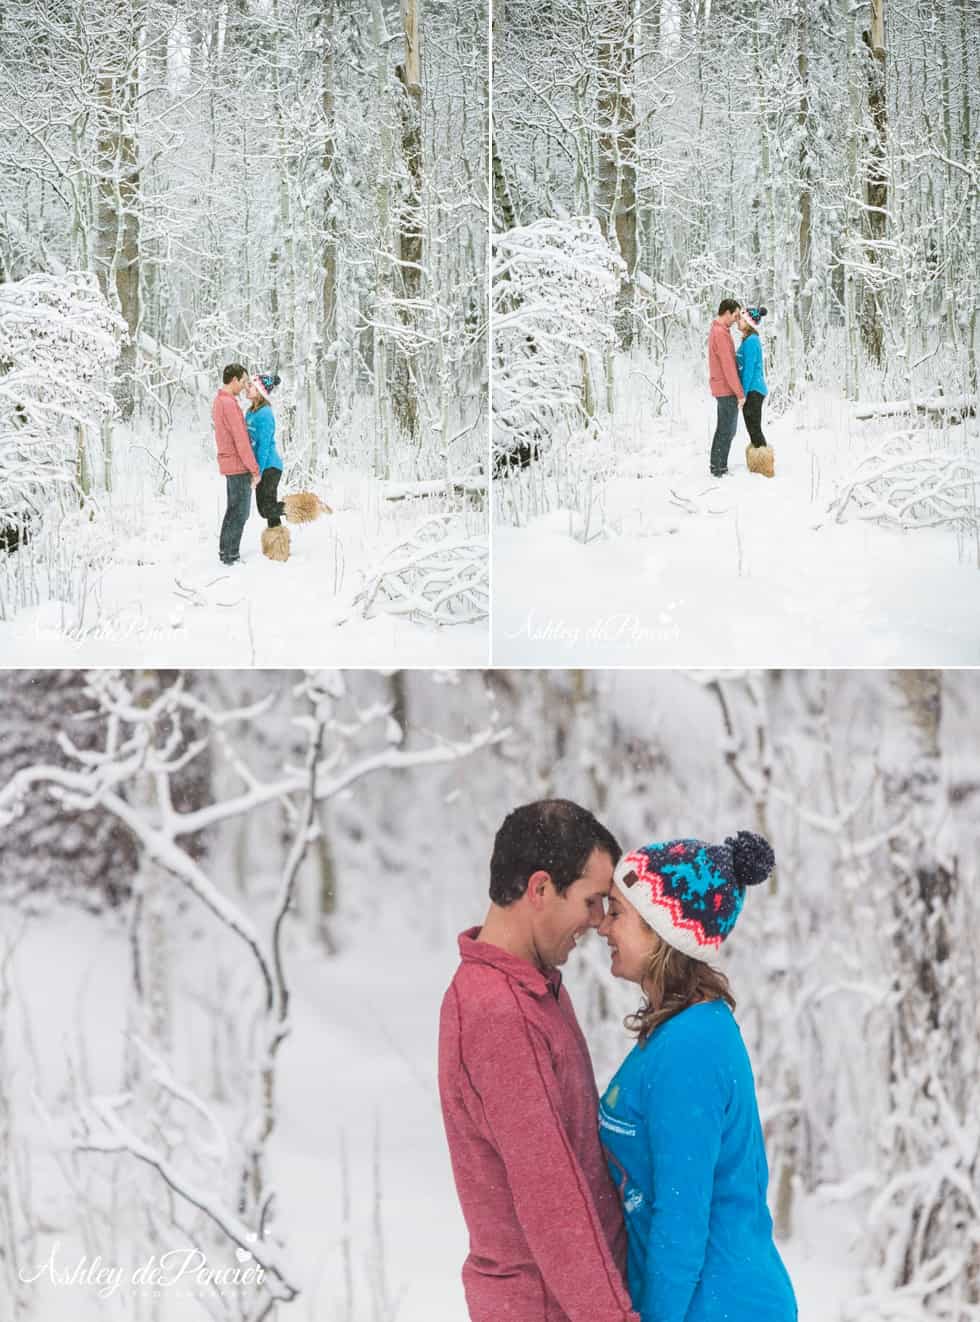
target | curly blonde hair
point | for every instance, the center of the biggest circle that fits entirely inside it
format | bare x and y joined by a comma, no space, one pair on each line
672,982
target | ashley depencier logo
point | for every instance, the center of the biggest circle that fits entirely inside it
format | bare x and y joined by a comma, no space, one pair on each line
184,1268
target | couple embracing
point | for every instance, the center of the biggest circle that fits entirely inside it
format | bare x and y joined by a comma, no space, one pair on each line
662,1185
247,454
738,381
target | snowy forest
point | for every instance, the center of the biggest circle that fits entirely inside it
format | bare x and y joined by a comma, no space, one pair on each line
230,905
297,187
820,159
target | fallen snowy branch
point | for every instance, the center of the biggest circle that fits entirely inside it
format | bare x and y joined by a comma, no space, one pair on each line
689,504
431,576
449,486
911,489
955,409
196,597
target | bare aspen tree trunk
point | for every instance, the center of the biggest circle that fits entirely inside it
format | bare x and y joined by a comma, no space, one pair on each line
616,183
327,890
930,1171
83,469
291,348
150,947
852,357
805,269
503,203
968,53
876,178
409,74
328,288
383,274
117,194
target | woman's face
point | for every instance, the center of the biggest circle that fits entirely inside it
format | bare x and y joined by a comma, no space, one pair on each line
631,942
252,393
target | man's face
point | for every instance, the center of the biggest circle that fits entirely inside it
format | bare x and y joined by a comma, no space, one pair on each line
237,384
565,918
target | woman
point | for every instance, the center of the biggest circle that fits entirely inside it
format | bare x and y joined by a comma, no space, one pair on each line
751,373
680,1122
261,423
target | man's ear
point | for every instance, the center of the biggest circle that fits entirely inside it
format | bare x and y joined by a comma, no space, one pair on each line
538,884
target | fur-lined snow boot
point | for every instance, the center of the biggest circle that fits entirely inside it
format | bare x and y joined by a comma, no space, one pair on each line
275,543
304,507
761,459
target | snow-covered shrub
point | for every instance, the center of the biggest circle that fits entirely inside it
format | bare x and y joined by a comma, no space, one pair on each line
554,300
58,341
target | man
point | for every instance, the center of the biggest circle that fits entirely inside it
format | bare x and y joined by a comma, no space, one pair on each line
519,1101
724,383
235,460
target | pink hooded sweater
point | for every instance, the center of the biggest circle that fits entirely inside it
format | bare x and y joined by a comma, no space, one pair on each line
235,453
519,1101
722,367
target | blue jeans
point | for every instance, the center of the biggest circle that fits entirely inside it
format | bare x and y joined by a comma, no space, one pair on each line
724,432
236,515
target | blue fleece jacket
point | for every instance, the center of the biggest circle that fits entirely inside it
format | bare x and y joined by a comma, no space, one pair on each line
262,433
683,1140
748,356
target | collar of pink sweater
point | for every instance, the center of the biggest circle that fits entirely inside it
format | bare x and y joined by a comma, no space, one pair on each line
472,951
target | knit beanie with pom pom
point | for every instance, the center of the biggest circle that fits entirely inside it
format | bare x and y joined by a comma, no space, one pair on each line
690,892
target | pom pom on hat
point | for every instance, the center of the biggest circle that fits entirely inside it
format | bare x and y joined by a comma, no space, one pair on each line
752,858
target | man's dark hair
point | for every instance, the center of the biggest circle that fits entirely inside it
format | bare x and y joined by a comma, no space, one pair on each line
728,305
553,836
232,373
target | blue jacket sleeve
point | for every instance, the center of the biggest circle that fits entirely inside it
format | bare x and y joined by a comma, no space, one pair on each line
685,1106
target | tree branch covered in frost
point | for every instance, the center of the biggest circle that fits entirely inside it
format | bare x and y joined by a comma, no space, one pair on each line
103,1131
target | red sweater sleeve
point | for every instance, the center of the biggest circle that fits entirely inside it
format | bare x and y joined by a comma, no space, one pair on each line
511,1071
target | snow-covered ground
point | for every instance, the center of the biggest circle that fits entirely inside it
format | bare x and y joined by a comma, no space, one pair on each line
141,583
742,571
358,1072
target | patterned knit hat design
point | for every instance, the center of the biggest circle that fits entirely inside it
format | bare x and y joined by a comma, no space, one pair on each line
266,382
691,893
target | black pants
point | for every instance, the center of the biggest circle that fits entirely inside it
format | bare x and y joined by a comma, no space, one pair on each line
239,487
752,412
265,496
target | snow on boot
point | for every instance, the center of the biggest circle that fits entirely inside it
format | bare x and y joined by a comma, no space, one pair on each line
304,507
761,459
275,543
